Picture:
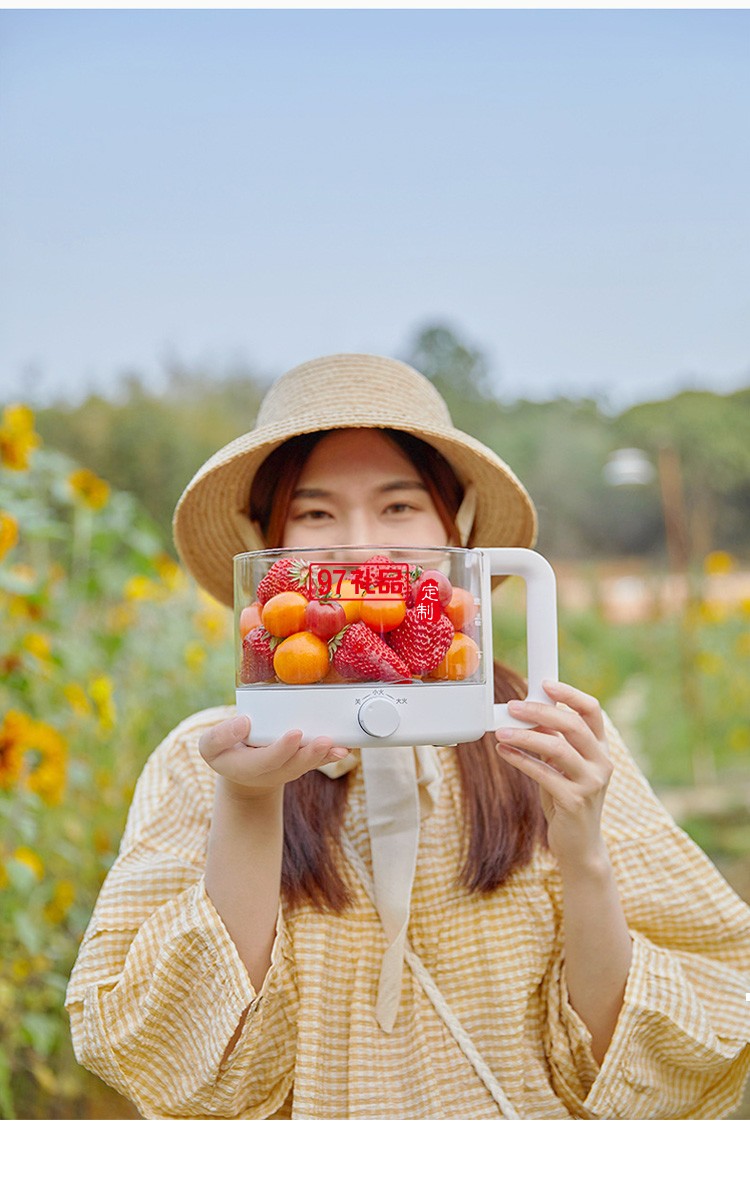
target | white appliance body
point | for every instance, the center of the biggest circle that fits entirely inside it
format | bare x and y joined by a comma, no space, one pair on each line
375,713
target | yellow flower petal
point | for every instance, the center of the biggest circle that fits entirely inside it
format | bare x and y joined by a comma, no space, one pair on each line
194,656
8,533
169,571
88,489
718,563
13,742
17,437
212,625
33,755
39,645
140,588
101,692
56,910
27,856
77,699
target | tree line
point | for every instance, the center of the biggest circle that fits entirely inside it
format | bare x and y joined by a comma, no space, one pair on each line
696,445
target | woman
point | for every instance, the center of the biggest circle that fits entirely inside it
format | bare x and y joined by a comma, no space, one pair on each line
550,945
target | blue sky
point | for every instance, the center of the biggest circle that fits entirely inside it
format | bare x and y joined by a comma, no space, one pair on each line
567,188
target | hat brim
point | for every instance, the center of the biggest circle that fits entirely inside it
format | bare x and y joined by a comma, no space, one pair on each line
212,523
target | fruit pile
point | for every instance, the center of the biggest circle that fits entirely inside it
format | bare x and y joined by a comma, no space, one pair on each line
384,622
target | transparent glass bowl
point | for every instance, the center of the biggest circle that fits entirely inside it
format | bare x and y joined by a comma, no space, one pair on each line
351,615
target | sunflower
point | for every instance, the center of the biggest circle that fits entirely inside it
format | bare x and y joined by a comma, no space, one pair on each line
168,571
719,563
88,489
32,860
57,907
102,694
13,734
32,754
17,437
8,533
140,588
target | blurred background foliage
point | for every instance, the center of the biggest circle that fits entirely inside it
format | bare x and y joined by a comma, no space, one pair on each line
150,442
105,644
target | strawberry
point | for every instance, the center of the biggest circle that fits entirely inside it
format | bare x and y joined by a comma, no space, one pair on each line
421,643
288,573
257,656
360,654
368,570
415,572
378,559
367,577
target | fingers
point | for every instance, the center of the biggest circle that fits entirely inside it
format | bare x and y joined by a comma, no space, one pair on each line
306,757
551,721
224,747
219,738
546,776
290,755
550,749
565,745
586,706
583,733
316,752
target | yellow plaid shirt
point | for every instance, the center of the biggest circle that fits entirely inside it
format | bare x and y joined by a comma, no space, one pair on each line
158,989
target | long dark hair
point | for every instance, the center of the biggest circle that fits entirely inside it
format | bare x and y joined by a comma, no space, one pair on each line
502,818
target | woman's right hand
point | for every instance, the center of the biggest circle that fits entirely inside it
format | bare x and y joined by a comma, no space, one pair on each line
253,772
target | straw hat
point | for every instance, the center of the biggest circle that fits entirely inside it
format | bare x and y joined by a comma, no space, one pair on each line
211,521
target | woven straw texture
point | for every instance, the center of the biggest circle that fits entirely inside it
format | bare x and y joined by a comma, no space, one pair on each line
211,521
159,989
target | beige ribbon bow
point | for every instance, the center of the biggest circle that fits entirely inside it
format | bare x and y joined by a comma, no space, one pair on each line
393,777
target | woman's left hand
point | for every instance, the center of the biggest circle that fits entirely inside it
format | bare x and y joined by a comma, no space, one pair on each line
567,755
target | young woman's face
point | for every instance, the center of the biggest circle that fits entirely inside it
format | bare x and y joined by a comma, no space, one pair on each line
358,488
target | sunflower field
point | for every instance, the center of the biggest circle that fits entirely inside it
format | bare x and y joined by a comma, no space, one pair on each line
104,646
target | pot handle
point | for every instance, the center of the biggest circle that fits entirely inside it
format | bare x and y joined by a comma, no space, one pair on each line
541,621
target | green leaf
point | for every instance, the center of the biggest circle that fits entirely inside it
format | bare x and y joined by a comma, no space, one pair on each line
41,1031
27,933
7,1109
22,877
